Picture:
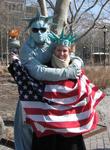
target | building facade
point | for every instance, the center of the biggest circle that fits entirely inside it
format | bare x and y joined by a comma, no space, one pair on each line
12,13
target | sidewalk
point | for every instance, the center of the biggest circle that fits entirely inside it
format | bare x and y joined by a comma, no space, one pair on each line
101,141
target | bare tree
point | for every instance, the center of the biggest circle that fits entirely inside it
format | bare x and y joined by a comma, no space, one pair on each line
42,4
81,15
61,14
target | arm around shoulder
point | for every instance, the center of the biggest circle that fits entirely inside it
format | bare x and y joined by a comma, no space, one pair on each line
39,71
77,61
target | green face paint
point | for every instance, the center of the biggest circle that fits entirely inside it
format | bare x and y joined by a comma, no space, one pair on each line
39,31
39,27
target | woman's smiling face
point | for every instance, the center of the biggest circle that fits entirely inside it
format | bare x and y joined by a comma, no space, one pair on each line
62,52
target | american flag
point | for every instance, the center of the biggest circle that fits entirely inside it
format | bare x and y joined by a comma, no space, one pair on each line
64,107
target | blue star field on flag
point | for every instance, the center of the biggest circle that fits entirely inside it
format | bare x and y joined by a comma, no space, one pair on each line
29,88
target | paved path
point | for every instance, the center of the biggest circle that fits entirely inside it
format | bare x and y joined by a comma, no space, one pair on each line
101,141
98,142
4,148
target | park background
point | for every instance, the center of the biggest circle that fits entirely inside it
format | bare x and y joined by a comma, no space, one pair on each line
88,19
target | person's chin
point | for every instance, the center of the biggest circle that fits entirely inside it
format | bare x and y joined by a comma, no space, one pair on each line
41,40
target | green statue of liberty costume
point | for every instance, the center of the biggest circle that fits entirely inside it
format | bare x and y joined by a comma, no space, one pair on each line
34,54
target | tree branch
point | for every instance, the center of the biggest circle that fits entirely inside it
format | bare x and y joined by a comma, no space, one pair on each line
51,4
75,6
43,7
94,20
71,12
86,10
79,8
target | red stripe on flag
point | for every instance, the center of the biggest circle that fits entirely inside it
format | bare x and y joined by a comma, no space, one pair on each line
67,83
77,109
87,94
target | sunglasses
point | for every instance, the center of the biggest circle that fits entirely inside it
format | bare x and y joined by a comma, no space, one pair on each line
36,30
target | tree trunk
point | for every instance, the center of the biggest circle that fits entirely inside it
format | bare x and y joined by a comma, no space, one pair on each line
7,50
1,45
61,14
43,7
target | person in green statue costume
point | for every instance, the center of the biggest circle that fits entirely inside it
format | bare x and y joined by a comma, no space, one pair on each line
37,51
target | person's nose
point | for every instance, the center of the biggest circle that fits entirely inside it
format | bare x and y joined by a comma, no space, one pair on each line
61,53
39,32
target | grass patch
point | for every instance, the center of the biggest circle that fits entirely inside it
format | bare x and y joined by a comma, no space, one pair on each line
3,71
99,75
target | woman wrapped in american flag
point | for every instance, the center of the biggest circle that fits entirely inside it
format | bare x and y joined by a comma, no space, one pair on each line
60,111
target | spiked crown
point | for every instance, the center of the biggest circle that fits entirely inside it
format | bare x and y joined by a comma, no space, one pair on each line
38,17
65,40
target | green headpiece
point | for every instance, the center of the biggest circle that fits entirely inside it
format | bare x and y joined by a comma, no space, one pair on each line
65,40
38,17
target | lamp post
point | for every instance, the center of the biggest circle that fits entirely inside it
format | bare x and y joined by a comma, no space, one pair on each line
104,31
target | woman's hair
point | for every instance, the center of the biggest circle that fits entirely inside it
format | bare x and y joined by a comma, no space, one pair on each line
71,48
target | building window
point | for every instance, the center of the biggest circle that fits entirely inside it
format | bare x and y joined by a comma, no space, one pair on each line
13,7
